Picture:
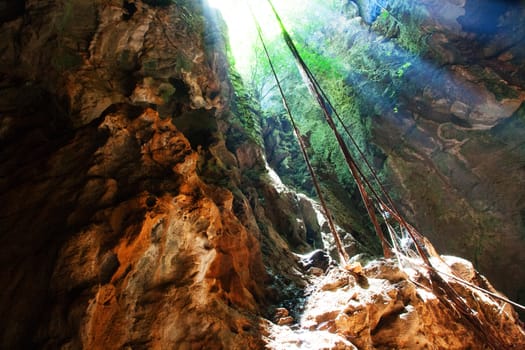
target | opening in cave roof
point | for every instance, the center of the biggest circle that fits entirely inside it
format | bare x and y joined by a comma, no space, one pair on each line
241,28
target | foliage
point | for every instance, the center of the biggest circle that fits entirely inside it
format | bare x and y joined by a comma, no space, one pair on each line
166,90
401,70
402,21
245,115
362,73
494,82
324,151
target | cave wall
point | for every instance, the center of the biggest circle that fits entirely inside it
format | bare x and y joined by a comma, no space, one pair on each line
130,216
450,122
136,211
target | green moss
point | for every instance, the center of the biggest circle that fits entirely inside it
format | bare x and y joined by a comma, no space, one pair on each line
385,25
65,57
412,38
442,160
66,18
401,70
149,66
511,130
65,60
246,112
191,14
184,63
500,88
494,83
256,175
450,132
402,23
166,90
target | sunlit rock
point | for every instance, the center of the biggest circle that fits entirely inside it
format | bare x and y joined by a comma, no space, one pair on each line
399,310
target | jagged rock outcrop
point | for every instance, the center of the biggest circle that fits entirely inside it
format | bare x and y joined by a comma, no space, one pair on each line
445,105
124,224
129,274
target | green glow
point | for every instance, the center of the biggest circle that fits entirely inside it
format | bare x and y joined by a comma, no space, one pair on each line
241,27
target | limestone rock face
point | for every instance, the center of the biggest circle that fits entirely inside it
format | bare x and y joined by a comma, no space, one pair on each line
135,249
110,239
452,135
161,268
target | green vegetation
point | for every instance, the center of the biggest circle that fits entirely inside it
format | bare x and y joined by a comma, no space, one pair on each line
361,71
65,59
166,90
66,17
244,117
363,79
402,22
368,73
401,70
495,83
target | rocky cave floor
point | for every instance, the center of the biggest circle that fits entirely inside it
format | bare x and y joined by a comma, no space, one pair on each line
380,306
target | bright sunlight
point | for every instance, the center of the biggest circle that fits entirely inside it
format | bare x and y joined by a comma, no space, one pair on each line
241,27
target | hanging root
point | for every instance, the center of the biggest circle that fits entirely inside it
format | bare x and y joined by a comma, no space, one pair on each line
450,297
417,246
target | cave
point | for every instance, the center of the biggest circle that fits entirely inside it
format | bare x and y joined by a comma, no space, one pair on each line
224,174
